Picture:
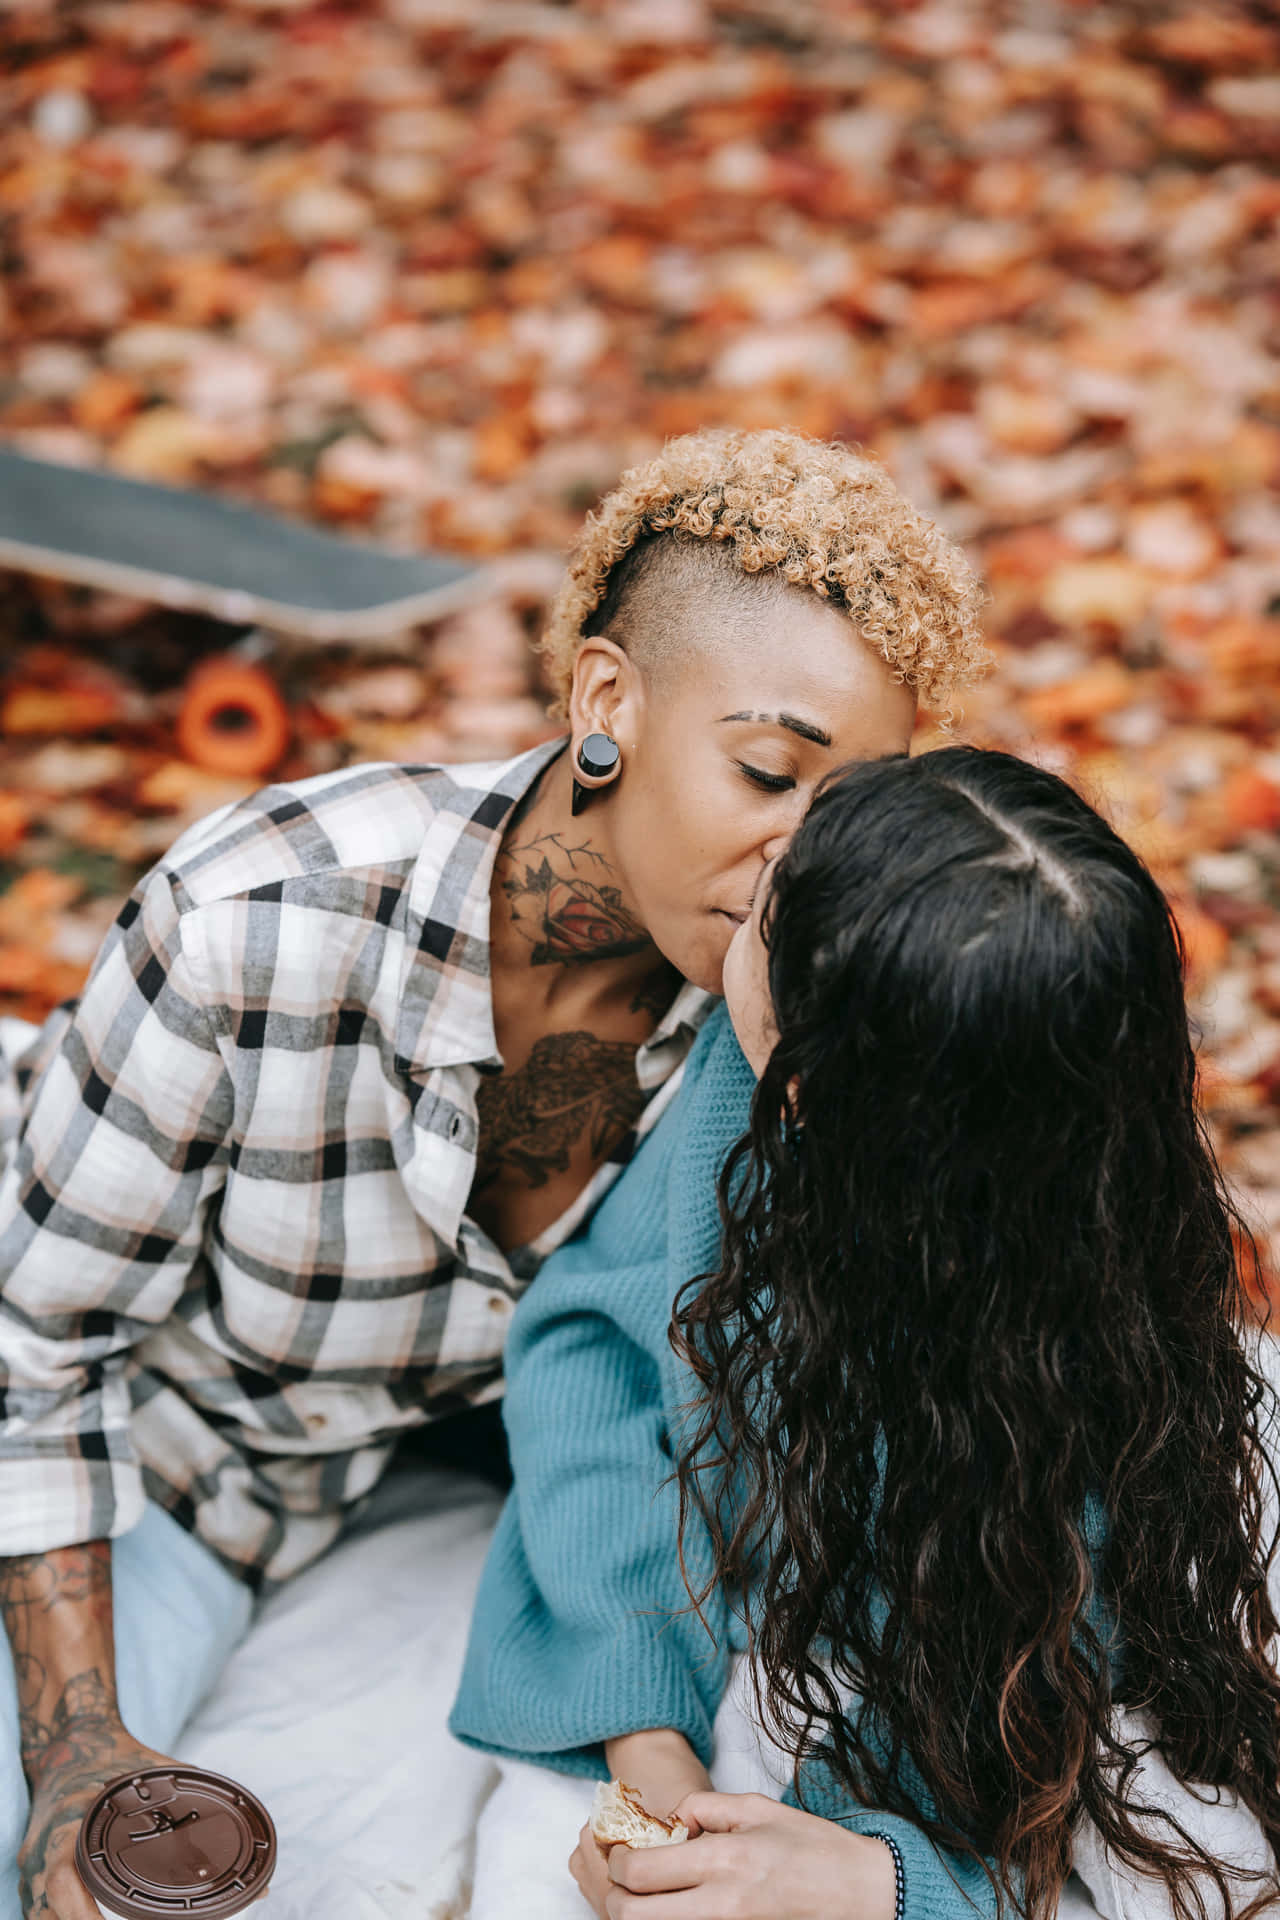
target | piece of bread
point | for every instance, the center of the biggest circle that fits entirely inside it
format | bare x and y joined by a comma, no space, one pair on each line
619,1815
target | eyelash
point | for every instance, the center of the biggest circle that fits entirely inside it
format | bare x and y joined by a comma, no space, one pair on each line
771,782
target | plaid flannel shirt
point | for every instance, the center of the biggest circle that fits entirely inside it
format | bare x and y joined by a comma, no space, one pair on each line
235,1258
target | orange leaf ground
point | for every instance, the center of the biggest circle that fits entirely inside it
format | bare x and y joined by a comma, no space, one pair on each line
436,272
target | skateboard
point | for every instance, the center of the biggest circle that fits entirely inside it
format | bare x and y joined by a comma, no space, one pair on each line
183,548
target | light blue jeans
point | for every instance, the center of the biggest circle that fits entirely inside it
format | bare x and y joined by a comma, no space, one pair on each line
178,1616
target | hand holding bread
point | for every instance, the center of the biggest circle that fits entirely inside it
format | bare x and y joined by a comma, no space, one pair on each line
757,1859
619,1817
660,1769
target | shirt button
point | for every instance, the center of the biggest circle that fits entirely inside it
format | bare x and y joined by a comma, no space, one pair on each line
498,1303
316,1420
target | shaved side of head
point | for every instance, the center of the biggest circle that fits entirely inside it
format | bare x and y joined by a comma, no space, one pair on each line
767,511
673,600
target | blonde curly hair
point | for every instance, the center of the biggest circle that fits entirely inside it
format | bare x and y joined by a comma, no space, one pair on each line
813,514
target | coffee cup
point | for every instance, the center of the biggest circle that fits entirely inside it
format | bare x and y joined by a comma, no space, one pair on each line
176,1840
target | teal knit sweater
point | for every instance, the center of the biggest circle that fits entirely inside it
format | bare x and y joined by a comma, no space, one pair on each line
581,1629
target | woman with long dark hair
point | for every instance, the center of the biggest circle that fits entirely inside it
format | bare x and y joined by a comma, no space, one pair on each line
970,1469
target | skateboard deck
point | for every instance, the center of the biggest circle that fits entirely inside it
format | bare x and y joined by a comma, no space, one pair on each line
183,548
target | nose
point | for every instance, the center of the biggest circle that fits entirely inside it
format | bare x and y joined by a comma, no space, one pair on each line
763,879
785,823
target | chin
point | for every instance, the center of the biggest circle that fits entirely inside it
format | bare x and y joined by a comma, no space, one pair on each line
709,977
701,961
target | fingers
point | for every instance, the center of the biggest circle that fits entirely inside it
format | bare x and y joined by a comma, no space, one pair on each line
591,1853
588,1866
650,1870
725,1812
690,1905
49,1885
66,1896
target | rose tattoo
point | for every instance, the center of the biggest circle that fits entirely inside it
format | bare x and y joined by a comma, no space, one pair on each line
565,916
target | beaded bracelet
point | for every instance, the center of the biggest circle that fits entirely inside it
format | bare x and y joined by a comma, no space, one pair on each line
899,1875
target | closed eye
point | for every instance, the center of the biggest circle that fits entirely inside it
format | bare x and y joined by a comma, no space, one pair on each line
771,782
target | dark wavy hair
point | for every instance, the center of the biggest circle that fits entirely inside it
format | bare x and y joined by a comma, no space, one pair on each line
979,1271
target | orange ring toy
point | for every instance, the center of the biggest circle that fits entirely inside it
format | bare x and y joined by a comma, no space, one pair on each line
232,719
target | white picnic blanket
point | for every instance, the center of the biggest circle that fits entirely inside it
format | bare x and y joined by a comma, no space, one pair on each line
333,1710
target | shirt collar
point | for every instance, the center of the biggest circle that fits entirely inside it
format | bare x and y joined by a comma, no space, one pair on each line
446,997
673,1033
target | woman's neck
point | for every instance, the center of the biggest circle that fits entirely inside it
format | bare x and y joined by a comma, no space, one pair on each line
560,919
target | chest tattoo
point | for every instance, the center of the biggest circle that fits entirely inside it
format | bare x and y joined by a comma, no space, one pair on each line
573,1087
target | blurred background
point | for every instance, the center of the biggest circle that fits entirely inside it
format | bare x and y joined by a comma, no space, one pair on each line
433,272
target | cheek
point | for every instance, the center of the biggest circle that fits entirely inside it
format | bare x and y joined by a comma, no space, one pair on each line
746,992
732,986
762,999
656,828
736,1001
693,822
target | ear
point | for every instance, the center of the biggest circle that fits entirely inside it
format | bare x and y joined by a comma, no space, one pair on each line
607,693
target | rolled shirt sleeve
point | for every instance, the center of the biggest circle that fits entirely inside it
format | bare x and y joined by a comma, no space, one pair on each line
104,1205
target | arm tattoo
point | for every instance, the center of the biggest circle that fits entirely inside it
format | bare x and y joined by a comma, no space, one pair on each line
72,1737
67,1762
32,1588
565,905
38,1581
571,1084
68,1748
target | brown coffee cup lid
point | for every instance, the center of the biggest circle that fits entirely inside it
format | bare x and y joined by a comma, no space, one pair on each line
176,1840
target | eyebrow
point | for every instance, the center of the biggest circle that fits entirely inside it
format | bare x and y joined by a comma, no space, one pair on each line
804,728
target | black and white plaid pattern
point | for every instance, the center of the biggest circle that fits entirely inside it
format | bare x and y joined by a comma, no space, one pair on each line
235,1261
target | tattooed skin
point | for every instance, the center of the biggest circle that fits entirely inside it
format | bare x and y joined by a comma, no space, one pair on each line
32,1586
88,1749
656,991
85,1709
571,1084
72,1738
565,905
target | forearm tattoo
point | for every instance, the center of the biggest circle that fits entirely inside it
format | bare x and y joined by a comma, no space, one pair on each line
72,1738
58,1717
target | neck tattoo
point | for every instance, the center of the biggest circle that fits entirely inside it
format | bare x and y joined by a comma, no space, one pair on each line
564,902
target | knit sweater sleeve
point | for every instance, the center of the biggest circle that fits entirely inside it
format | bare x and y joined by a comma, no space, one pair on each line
582,1629
933,1882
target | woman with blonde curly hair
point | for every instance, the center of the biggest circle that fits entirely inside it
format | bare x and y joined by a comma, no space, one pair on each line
728,589
362,1049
